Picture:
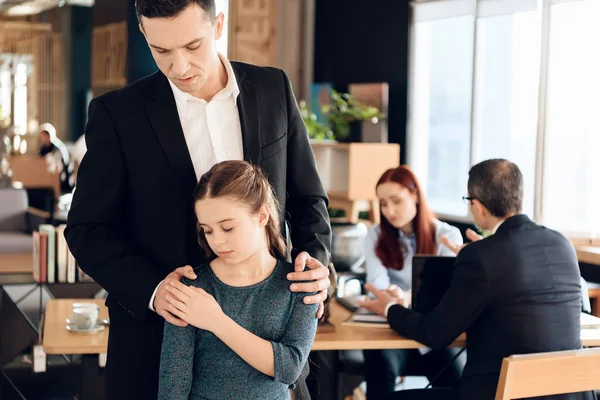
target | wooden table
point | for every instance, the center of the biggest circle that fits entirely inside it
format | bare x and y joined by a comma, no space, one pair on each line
58,340
364,338
16,268
588,254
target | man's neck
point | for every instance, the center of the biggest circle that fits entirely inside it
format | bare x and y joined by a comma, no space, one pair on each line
215,83
495,222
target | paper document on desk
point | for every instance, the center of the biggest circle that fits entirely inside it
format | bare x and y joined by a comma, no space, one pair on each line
364,317
589,321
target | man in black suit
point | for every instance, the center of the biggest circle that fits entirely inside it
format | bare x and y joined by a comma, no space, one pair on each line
131,224
515,292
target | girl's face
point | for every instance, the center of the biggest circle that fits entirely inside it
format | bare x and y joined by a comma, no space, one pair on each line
233,233
398,205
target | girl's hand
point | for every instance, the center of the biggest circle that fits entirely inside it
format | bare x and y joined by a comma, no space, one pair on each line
196,307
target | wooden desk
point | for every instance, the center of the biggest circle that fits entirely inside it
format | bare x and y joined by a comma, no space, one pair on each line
57,340
588,254
364,338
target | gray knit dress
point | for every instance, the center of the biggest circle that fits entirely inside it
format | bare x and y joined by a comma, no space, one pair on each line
195,364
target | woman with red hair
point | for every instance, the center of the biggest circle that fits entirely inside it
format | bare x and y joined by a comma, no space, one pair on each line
407,227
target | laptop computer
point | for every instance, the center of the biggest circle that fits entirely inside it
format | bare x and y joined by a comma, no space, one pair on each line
431,277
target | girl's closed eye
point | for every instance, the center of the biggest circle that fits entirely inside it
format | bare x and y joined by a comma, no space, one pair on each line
206,232
227,229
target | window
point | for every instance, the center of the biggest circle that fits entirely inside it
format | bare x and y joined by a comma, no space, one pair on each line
5,96
20,117
442,108
571,186
507,70
13,91
528,93
223,6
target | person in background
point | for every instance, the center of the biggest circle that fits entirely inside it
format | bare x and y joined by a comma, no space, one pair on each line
407,227
57,156
248,335
515,292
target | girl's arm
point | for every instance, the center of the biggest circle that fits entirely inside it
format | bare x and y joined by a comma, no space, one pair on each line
283,360
176,362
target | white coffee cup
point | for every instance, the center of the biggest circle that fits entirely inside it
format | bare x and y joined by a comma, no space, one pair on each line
85,316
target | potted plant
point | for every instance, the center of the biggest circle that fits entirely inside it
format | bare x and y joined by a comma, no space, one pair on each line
345,116
316,130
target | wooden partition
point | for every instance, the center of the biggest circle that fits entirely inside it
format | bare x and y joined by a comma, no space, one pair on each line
252,31
34,45
109,57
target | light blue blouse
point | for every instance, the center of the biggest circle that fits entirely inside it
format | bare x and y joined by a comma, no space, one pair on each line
381,277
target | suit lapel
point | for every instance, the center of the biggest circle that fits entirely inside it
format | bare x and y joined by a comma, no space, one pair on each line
163,116
248,108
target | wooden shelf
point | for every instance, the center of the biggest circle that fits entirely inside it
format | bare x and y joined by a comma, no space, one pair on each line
350,171
17,263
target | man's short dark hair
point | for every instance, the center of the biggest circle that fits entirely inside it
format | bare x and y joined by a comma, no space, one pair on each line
498,185
171,8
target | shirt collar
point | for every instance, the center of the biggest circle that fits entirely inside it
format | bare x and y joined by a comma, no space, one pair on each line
496,227
231,89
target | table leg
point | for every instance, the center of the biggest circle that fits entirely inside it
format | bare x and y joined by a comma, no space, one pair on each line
90,388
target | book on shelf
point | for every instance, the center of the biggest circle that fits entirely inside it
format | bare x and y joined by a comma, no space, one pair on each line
50,230
53,262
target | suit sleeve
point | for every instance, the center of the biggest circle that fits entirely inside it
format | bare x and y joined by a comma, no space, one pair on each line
95,232
465,300
307,200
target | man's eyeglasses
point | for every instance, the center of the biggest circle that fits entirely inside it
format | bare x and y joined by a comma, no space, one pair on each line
469,199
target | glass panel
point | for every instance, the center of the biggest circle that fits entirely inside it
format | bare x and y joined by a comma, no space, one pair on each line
506,93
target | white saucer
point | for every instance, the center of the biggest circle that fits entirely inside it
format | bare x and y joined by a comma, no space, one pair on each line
73,328
100,322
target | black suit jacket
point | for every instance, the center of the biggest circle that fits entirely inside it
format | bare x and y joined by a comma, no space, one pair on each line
515,292
131,221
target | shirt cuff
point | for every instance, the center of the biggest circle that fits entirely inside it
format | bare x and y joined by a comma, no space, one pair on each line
387,307
151,305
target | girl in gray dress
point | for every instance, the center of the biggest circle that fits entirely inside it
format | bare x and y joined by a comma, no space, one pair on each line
249,335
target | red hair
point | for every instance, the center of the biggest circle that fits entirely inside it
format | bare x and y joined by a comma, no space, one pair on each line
388,249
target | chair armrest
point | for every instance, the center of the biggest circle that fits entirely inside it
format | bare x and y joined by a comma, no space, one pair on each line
35,217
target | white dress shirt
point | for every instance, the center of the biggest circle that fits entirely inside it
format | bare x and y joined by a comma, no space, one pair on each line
212,130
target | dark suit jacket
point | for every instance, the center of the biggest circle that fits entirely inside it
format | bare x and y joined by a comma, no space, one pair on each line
515,292
131,221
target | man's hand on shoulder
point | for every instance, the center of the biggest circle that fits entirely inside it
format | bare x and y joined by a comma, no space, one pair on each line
317,273
161,304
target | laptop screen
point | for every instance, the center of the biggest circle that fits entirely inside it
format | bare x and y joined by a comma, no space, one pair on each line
431,276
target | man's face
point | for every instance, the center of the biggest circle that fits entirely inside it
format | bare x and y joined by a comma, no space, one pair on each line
184,46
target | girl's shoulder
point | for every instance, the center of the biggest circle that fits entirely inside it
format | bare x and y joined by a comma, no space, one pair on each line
202,272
